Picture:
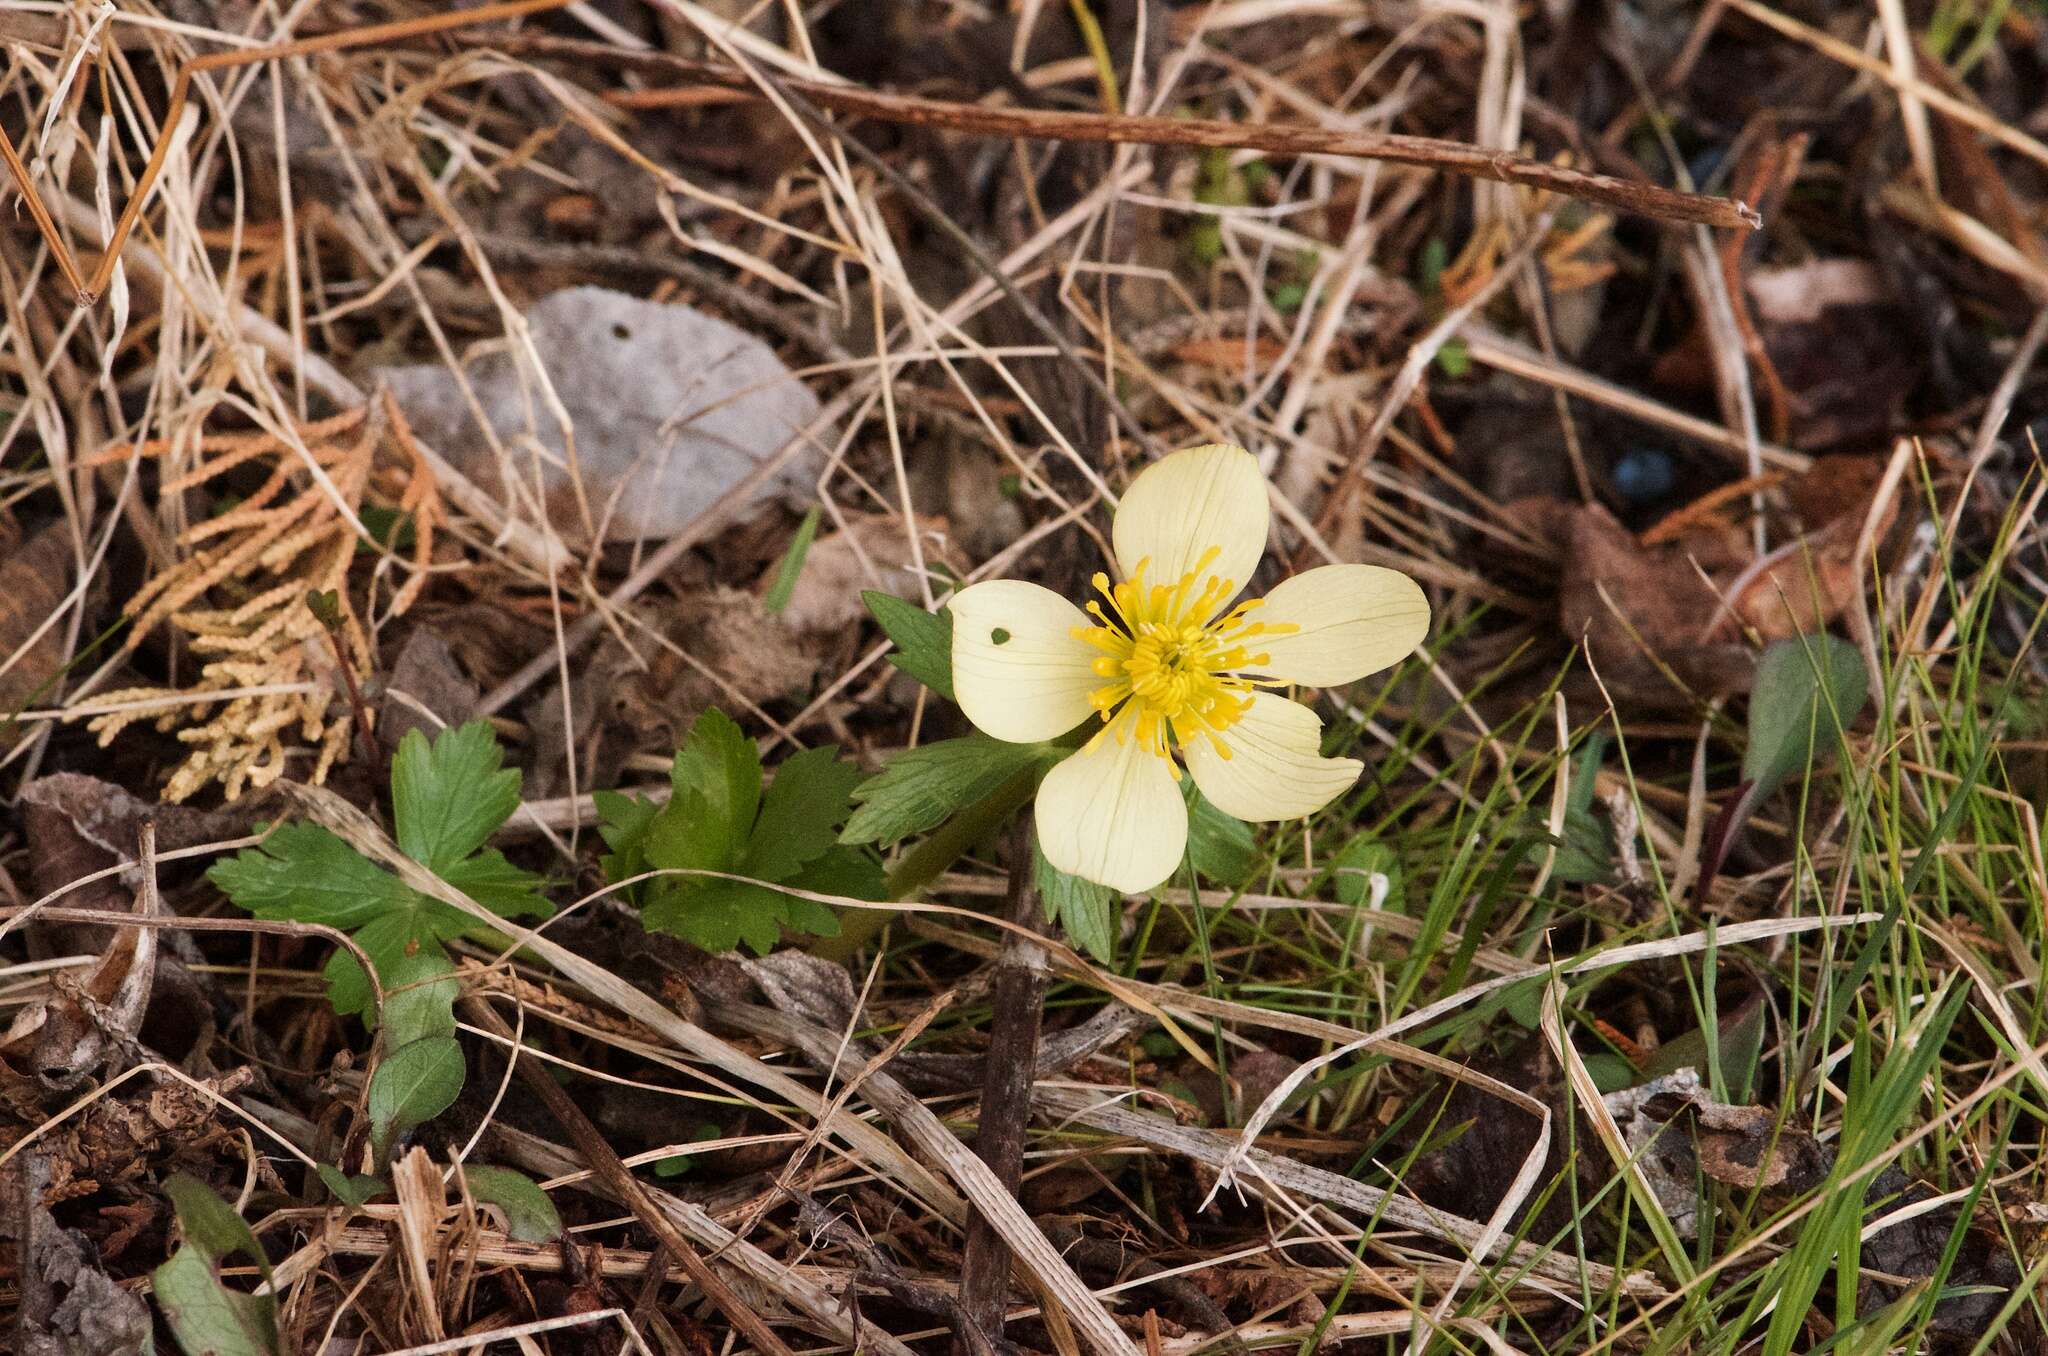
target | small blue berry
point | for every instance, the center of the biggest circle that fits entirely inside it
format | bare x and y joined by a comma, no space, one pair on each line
1644,475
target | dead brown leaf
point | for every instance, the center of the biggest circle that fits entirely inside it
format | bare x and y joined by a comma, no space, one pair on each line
1680,1132
87,1023
425,674
78,826
1802,586
871,553
33,581
1642,612
1746,1146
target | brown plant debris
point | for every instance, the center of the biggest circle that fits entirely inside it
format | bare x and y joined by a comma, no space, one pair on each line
32,585
271,670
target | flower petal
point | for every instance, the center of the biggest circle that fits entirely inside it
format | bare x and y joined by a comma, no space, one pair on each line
1354,620
1019,671
1185,503
1113,814
1275,769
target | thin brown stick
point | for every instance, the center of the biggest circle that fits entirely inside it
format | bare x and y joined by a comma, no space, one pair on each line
1044,124
624,1187
1018,997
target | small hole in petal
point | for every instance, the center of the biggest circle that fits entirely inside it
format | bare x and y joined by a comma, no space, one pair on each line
999,637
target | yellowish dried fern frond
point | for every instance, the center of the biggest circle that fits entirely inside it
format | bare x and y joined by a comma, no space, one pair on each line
269,681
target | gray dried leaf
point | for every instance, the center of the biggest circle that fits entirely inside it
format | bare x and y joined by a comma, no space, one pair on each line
1681,1134
671,408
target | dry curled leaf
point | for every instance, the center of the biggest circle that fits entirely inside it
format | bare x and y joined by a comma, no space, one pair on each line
426,691
68,1306
86,1020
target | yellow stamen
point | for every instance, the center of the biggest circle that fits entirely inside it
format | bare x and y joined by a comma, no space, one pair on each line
1173,666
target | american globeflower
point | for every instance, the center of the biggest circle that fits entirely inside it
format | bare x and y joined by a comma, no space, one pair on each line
1175,673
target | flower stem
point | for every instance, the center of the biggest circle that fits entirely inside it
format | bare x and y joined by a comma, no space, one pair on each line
929,860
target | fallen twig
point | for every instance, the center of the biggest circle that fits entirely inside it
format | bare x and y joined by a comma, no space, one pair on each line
1019,1003
1042,124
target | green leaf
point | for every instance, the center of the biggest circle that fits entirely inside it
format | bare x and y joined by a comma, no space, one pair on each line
675,1165
210,1223
1355,867
325,605
419,995
302,873
451,795
811,796
415,1084
1088,913
924,640
1454,358
1585,850
718,915
1434,257
687,836
506,890
1221,847
392,529
720,763
779,592
206,1317
920,787
1586,778
717,781
418,925
624,822
530,1216
1807,690
1522,1001
711,824
353,1191
1737,1045
1611,1073
855,873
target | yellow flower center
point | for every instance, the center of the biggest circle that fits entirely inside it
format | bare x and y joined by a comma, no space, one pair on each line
1170,663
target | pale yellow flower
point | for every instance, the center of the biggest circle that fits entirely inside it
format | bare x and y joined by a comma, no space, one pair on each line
1173,670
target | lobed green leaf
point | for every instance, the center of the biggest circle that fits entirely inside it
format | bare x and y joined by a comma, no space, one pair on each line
811,796
449,796
1087,912
924,640
921,787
